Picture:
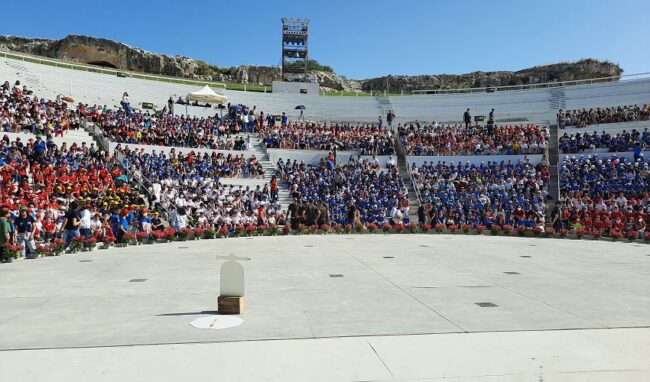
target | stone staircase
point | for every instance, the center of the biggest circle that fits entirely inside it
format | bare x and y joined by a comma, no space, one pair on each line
553,158
557,99
402,166
384,105
259,150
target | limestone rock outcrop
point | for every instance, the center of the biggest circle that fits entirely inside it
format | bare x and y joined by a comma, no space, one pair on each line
579,70
104,52
255,74
109,53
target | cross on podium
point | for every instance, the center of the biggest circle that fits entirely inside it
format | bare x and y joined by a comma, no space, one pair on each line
232,289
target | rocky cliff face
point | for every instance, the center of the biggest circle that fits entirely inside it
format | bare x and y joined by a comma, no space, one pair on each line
99,51
104,52
254,74
331,82
583,69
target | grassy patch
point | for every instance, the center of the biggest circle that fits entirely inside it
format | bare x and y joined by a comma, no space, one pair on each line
360,94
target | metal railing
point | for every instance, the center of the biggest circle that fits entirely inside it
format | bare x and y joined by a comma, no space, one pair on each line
145,184
120,160
544,85
414,184
401,151
96,133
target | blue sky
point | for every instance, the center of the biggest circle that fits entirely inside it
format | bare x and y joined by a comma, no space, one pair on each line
362,38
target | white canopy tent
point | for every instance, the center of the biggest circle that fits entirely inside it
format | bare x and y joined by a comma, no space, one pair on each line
206,95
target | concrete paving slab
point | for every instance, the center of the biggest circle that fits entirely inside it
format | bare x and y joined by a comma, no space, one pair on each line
430,284
402,308
565,355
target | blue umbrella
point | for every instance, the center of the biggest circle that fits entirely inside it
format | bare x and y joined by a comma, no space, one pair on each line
300,107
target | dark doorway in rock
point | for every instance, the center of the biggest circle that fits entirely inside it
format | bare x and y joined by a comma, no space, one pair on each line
105,64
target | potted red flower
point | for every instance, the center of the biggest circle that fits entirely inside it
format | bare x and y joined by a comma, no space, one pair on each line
209,233
303,229
632,235
549,232
223,231
239,230
198,233
170,234
616,234
273,230
412,227
77,244
185,234
57,246
250,229
596,233
159,235
90,244
107,241
262,229
581,232
43,250
9,252
127,238
143,237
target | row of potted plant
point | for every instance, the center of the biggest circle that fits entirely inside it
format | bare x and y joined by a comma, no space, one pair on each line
169,234
8,251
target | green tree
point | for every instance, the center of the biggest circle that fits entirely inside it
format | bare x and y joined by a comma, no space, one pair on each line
205,69
315,65
311,65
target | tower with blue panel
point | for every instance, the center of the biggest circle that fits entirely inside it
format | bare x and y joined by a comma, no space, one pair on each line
295,49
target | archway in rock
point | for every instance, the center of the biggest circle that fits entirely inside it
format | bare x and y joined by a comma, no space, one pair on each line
105,64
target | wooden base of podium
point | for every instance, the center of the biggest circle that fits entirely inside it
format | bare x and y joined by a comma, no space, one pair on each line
230,305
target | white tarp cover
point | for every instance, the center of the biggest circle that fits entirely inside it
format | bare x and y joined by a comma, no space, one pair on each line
207,95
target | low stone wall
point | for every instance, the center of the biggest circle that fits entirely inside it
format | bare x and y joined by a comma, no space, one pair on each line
167,149
419,160
306,88
313,157
68,138
627,155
